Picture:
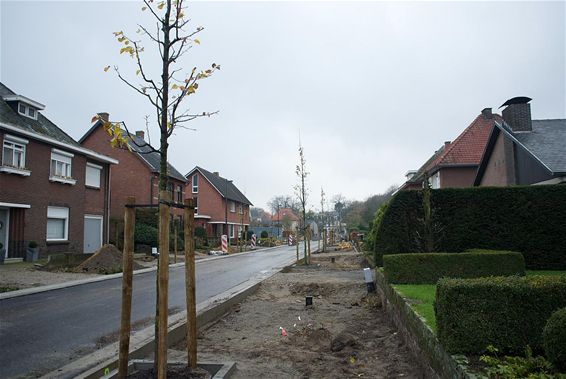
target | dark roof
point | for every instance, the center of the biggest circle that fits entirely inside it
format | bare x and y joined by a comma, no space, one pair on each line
546,142
152,158
40,126
225,187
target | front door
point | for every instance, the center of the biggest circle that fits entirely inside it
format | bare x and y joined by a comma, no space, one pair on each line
93,234
4,217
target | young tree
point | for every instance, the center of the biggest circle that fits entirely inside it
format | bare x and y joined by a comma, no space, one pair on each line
167,92
302,194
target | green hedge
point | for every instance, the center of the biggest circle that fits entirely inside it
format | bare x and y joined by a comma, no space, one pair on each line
506,312
428,268
529,220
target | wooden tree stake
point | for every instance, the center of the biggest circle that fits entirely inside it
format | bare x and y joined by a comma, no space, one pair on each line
127,274
190,284
163,283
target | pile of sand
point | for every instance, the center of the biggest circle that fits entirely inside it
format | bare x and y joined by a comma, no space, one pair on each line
106,260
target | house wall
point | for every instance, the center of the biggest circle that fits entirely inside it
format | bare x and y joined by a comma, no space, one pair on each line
457,177
497,170
37,191
211,203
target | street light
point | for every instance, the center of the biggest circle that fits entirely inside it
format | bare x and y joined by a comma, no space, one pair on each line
226,181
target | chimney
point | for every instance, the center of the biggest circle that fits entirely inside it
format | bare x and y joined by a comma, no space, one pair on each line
446,143
517,114
486,113
104,116
409,175
140,134
216,173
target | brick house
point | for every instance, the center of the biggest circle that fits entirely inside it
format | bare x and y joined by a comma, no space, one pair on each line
286,219
522,151
221,207
53,191
137,174
455,164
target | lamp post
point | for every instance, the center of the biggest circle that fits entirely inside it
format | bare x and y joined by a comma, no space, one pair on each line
226,181
278,219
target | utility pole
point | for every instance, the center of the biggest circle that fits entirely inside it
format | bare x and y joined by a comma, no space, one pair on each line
323,220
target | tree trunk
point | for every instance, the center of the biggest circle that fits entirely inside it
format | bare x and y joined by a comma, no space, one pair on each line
190,284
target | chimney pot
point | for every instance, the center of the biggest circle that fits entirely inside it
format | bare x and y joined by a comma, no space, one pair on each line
104,116
487,114
140,134
518,114
216,173
446,143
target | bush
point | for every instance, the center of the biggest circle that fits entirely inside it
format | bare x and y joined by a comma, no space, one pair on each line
554,339
428,268
200,232
264,234
524,219
145,235
506,312
32,244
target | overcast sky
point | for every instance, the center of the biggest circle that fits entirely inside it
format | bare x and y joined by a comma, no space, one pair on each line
372,88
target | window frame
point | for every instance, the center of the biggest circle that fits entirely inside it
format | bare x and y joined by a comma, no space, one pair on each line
17,144
193,180
179,194
231,230
26,109
98,169
232,206
58,213
66,159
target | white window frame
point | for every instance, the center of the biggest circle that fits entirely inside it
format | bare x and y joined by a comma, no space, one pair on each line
434,180
26,110
232,206
15,144
179,191
58,213
241,208
193,180
94,168
231,228
66,160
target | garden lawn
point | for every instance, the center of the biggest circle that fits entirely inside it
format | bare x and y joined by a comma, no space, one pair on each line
421,298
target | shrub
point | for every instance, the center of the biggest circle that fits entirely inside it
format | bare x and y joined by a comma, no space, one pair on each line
32,244
428,268
145,235
554,339
200,232
264,234
506,312
524,219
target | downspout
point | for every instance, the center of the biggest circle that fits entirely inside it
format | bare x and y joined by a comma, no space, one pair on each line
107,201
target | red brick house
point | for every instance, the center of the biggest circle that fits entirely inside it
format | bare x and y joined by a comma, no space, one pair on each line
455,164
52,190
221,207
137,174
522,151
286,219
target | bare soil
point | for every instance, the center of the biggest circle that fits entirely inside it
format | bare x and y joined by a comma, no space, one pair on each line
106,260
344,334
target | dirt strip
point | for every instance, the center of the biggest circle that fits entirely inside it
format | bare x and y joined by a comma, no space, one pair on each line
345,334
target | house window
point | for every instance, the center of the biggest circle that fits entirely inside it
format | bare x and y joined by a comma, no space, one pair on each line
14,152
195,203
231,231
195,183
434,180
93,172
179,194
26,110
241,209
170,190
57,224
61,164
232,206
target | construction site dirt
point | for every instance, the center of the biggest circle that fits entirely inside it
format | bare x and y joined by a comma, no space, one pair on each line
344,334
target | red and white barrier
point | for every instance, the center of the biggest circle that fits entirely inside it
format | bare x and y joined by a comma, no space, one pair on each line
254,238
224,243
291,240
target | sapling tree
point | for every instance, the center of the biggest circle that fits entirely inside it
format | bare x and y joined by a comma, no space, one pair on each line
167,91
302,194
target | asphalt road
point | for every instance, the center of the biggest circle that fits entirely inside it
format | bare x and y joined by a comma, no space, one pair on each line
44,331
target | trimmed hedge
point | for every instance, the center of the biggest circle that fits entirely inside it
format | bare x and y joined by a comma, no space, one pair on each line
428,268
529,220
554,339
506,312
